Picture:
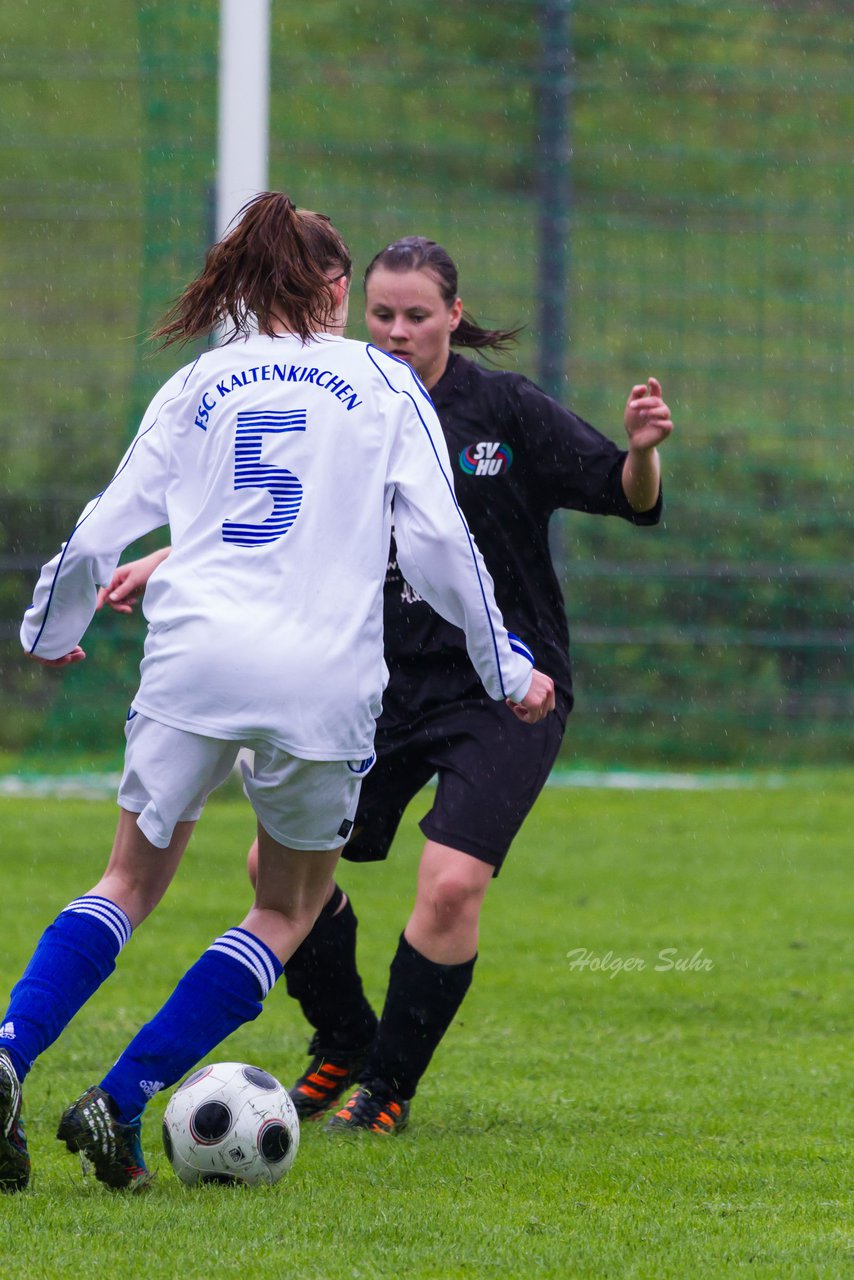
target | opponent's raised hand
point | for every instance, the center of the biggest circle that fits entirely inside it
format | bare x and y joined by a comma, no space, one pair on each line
647,418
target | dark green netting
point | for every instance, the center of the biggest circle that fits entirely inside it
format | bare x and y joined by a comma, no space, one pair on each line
707,245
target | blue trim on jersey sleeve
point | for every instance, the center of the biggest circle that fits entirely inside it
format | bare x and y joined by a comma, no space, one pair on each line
518,646
96,500
370,349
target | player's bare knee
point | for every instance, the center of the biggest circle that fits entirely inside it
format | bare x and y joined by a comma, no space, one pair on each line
453,900
252,864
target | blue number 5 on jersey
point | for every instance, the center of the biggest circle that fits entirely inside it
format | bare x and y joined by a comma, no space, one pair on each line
251,473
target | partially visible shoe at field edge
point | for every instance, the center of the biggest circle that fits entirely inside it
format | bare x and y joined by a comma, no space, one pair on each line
375,1107
14,1157
328,1076
89,1126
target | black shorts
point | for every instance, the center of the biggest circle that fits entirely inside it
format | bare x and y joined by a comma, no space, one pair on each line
490,768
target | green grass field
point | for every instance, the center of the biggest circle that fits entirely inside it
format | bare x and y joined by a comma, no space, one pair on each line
685,1116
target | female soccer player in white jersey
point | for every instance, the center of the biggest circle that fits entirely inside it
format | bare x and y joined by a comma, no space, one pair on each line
516,455
274,459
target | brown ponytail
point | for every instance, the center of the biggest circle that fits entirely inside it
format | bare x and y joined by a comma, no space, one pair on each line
277,264
415,253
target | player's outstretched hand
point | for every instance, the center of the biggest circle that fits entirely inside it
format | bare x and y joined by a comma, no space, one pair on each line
76,655
537,702
647,418
126,587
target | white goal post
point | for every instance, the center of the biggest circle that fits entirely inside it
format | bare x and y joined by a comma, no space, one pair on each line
243,127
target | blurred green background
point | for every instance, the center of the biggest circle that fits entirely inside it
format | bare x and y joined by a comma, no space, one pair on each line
710,186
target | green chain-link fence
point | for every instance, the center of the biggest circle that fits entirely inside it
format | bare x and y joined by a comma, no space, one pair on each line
706,246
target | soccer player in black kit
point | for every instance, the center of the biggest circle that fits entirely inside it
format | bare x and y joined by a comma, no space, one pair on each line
517,457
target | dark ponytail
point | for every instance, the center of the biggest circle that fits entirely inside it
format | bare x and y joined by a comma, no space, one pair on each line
415,253
276,263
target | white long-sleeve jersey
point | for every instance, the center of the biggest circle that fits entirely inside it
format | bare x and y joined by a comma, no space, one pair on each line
275,465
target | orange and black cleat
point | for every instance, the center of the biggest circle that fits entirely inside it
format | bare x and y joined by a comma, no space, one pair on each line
374,1107
328,1076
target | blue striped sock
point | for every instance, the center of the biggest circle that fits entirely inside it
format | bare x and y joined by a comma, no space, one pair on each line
73,957
224,988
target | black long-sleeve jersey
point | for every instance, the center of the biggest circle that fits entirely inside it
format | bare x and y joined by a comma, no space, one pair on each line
517,456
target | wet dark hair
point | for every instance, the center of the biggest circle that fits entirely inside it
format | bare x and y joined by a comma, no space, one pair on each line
274,263
415,253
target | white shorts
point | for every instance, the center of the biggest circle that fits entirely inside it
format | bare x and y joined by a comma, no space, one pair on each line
169,774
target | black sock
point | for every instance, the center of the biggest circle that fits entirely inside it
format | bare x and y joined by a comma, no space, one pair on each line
420,1004
322,975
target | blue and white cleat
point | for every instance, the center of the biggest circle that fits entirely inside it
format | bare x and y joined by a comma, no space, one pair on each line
89,1126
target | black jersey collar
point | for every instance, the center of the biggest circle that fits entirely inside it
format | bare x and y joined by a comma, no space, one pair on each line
455,371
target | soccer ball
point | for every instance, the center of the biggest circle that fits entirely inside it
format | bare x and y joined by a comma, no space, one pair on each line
231,1123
